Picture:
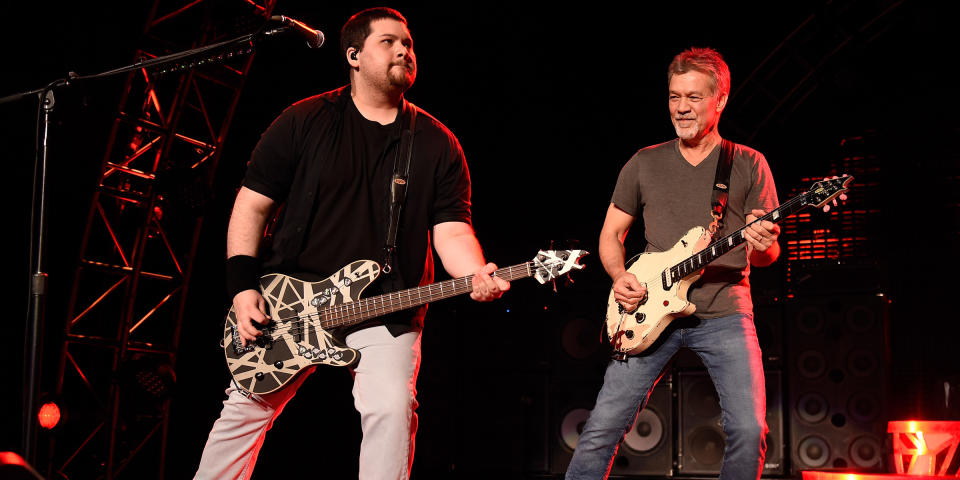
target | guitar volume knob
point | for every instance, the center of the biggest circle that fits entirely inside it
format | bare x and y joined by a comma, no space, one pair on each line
640,317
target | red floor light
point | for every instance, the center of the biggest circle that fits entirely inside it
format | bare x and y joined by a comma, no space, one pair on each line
922,450
868,476
925,447
48,415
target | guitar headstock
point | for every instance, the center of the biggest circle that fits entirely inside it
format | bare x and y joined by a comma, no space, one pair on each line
551,264
826,190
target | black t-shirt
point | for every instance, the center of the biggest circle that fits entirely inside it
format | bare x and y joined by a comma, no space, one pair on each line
351,218
331,167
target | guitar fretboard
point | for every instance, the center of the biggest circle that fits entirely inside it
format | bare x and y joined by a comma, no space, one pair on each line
699,260
355,312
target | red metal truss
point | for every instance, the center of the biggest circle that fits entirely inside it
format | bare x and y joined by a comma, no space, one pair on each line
128,295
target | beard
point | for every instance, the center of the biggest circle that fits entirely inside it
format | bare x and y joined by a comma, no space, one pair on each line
402,77
689,132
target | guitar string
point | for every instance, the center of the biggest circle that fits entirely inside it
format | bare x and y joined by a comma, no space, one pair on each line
403,300
790,203
675,269
723,242
290,329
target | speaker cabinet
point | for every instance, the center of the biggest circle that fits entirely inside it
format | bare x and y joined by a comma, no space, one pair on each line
768,320
838,367
701,438
647,448
569,410
578,362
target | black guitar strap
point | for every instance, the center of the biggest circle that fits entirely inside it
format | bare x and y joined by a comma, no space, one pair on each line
721,187
398,187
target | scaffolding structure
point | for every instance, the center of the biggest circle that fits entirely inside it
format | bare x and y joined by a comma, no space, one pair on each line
117,364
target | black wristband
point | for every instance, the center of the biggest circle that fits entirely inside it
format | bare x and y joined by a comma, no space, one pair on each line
243,273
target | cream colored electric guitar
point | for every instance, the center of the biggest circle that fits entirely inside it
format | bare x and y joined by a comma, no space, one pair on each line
669,274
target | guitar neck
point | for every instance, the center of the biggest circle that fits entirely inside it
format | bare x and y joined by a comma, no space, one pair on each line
351,313
699,260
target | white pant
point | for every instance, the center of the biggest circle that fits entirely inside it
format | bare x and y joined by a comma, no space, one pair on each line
384,392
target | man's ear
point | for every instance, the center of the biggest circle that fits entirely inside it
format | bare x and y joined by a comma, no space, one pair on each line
352,57
722,102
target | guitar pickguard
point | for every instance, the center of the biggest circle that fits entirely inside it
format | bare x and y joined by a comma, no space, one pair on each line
296,340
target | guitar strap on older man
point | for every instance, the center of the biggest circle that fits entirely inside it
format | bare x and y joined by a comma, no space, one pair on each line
721,187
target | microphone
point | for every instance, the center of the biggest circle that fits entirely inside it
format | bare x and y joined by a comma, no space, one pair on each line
313,37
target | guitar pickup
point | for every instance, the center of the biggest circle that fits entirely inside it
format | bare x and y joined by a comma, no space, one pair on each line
264,342
666,279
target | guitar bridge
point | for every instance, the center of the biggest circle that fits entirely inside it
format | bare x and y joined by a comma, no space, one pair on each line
238,347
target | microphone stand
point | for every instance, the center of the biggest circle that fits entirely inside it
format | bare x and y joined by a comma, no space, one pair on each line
33,341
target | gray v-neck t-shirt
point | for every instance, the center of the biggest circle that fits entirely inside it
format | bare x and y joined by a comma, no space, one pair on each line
674,196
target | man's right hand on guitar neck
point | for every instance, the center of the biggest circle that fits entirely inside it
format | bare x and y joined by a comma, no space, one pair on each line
250,307
628,291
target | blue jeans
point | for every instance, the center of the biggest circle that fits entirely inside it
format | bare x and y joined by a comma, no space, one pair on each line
728,348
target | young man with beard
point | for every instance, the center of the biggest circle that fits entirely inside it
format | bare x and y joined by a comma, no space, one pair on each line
330,159
671,186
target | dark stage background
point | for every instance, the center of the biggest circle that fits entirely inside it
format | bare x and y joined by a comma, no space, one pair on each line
548,103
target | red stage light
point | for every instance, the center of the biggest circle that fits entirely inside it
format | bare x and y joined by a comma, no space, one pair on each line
49,415
922,447
10,458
